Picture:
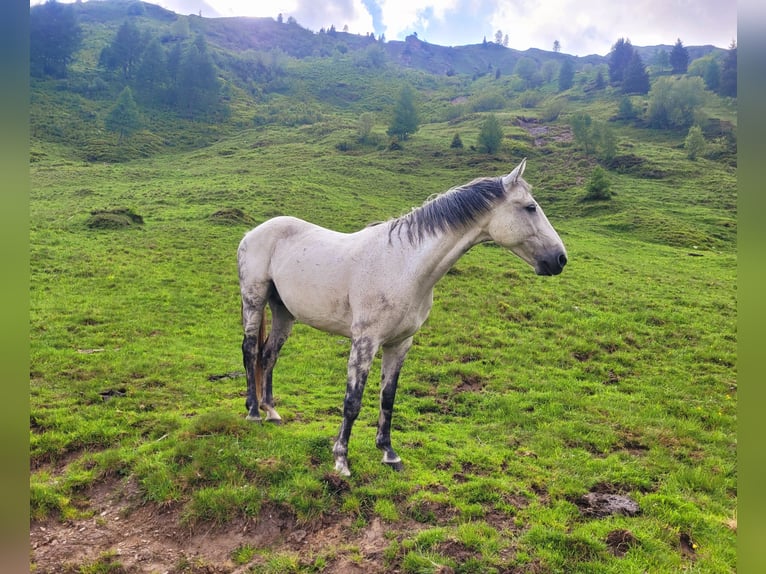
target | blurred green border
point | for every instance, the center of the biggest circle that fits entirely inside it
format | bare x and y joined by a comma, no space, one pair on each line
751,272
14,239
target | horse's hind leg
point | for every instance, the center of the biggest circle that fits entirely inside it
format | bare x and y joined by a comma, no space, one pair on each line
281,326
253,317
393,358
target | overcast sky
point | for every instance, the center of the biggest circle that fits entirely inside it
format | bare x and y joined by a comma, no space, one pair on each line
581,27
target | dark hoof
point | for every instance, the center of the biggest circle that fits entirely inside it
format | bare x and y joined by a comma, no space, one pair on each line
274,421
398,466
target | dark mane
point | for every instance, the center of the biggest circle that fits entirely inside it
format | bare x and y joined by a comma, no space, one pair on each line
450,210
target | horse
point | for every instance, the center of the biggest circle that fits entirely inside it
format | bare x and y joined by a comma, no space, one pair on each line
375,286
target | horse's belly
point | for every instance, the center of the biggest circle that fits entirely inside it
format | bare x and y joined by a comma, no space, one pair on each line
317,304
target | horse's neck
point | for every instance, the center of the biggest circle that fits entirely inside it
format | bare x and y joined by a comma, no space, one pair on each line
435,254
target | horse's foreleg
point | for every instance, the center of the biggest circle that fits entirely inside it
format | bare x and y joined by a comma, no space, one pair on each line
393,358
362,353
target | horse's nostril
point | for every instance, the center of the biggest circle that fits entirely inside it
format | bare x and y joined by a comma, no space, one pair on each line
562,259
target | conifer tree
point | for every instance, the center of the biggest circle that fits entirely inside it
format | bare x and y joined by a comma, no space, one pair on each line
598,185
197,86
619,58
152,73
54,37
123,118
636,78
124,51
728,84
566,75
679,58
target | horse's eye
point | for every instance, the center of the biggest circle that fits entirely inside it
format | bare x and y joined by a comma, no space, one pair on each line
531,208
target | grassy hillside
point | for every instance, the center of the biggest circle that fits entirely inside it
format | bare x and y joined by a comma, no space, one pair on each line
523,398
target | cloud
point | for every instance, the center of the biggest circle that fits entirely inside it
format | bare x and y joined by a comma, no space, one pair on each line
594,27
398,17
308,13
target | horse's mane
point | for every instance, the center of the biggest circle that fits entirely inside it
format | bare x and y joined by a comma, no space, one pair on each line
450,210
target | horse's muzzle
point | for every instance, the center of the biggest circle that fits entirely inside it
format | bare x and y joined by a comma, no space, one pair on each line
552,265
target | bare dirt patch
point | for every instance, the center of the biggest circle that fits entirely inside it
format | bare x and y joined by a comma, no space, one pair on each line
132,536
620,541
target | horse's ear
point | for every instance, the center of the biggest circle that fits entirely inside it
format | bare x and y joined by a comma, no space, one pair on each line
511,179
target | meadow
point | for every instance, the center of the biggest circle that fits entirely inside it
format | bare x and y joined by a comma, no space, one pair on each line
522,399
521,394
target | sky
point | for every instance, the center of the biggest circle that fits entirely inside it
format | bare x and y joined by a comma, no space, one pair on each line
581,27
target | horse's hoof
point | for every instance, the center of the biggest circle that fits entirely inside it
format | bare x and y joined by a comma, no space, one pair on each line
341,468
251,418
274,421
398,465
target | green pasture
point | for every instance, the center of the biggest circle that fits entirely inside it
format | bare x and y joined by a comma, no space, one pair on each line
520,395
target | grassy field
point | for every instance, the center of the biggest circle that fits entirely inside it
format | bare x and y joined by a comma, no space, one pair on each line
521,395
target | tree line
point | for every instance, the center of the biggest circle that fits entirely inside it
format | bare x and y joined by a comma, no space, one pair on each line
173,72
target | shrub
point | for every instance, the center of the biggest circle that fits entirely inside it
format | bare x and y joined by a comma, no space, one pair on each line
490,135
598,185
694,143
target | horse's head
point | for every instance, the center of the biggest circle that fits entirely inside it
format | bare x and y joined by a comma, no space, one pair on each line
519,224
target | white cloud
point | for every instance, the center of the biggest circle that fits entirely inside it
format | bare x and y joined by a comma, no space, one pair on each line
593,27
401,16
308,13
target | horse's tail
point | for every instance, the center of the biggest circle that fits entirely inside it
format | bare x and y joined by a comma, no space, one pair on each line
259,360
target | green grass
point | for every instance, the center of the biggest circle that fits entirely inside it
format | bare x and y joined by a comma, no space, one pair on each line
521,393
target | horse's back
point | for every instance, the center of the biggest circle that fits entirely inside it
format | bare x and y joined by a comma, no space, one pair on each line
309,266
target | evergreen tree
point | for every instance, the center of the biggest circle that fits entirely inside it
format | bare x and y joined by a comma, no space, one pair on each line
679,58
490,135
566,75
457,143
197,88
711,75
626,110
636,78
660,60
404,121
54,37
728,85
619,58
123,118
599,82
598,185
124,51
152,73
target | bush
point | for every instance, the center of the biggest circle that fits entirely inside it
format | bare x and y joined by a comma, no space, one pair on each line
598,185
530,99
490,135
674,103
694,143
